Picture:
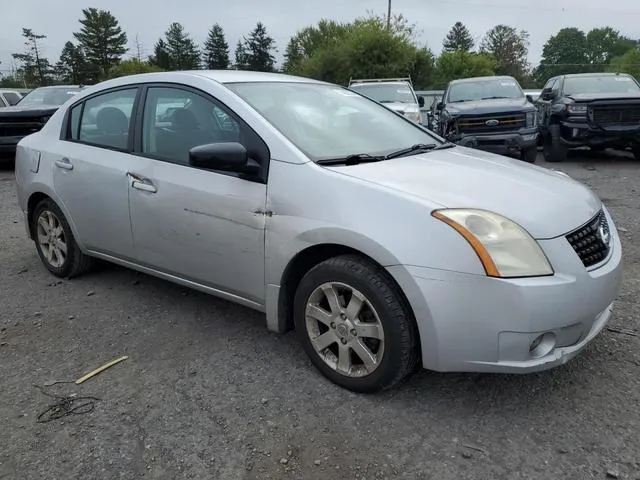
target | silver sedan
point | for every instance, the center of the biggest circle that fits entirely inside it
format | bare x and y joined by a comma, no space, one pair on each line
385,247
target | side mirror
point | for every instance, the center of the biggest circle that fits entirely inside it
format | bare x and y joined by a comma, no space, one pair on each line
529,98
440,106
421,101
225,156
547,94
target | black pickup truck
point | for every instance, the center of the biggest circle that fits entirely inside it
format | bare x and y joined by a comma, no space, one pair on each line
30,114
598,110
489,113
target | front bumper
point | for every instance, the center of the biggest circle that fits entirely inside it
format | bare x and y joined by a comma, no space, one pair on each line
9,144
577,133
501,143
474,323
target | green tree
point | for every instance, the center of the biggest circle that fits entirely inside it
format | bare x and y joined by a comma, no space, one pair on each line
509,48
241,56
603,44
458,39
160,57
34,69
564,53
260,49
216,49
627,63
292,55
454,65
102,40
182,51
132,66
72,65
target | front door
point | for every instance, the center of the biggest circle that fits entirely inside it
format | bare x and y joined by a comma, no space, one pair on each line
90,172
201,225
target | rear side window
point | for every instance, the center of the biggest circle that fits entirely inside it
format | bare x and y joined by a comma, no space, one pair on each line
105,119
74,122
11,98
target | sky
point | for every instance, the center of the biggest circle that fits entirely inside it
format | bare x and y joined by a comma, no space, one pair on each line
149,19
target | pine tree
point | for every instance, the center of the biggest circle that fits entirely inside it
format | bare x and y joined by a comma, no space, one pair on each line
260,48
102,40
292,55
458,39
160,57
72,65
216,50
181,49
35,69
242,61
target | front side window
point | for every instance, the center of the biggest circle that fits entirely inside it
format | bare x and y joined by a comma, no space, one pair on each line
106,119
600,84
176,120
326,121
493,88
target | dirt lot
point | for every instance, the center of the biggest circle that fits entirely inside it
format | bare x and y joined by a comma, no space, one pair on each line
208,393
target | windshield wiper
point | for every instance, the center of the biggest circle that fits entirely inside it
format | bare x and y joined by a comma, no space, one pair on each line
419,147
492,98
354,159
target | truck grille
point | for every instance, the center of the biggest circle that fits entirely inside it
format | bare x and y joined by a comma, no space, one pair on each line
495,123
618,115
591,242
19,126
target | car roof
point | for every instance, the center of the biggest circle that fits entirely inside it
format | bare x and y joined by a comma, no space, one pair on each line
595,74
476,79
236,76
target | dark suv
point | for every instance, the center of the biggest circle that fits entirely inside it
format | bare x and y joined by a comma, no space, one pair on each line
598,110
489,113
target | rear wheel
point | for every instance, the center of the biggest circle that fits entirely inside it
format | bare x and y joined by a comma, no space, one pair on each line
529,155
54,240
355,325
554,150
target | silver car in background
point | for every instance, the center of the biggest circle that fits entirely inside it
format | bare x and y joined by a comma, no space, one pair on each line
385,247
395,93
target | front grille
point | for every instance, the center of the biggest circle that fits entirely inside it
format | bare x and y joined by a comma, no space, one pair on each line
10,127
618,115
591,242
492,123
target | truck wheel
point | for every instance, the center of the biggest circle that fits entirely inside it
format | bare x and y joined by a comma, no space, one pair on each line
529,155
554,150
636,152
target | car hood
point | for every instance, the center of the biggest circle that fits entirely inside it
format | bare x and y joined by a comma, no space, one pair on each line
497,105
546,203
587,97
17,110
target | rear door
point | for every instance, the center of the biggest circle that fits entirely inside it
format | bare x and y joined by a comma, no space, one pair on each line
90,170
200,225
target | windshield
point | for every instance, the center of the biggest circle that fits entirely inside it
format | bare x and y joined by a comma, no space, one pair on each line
603,84
327,121
484,89
48,96
386,93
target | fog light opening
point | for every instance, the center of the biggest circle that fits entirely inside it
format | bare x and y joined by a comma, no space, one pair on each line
542,345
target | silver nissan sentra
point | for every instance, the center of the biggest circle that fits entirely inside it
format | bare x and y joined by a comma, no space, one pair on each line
384,246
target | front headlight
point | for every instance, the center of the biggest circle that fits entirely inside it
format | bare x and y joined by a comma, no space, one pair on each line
577,109
505,249
531,119
414,116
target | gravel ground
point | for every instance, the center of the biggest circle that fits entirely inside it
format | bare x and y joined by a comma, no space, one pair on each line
208,393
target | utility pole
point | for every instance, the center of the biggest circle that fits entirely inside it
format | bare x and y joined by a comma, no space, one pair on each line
389,15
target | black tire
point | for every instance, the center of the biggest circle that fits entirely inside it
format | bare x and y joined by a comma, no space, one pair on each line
636,152
529,155
401,345
554,150
75,262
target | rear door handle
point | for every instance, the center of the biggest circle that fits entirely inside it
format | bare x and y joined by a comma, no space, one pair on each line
140,183
64,163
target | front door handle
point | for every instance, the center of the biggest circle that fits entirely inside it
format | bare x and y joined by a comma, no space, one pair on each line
140,183
64,163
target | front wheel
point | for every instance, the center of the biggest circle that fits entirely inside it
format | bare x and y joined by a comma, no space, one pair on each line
54,240
553,148
529,155
355,325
